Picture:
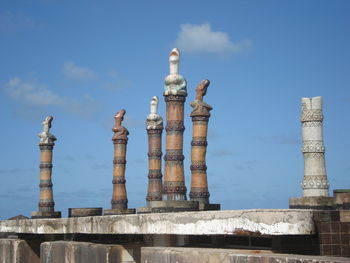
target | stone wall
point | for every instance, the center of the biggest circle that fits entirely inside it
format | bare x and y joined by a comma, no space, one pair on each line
17,251
85,252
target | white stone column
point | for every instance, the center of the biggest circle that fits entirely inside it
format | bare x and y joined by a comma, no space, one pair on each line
315,181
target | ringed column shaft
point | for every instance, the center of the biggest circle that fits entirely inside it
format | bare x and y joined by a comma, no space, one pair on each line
154,127
46,203
200,117
315,181
175,96
120,140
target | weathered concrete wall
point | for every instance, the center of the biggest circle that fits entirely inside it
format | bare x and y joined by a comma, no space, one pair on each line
85,252
206,255
232,222
17,251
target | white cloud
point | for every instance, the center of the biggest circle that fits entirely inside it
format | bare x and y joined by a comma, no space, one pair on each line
76,72
201,39
34,95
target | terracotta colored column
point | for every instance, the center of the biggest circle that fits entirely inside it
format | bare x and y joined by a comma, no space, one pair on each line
119,196
154,127
315,181
175,95
46,144
200,117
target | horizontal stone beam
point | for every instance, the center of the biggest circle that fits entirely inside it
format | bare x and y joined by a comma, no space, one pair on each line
229,222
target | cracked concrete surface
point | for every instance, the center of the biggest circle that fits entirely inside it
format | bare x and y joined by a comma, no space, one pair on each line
229,222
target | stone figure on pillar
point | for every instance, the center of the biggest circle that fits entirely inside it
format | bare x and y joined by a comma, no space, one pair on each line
175,84
153,119
200,108
45,136
121,133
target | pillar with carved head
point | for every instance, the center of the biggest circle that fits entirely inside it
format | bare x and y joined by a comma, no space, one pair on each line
119,195
46,144
200,118
154,127
175,96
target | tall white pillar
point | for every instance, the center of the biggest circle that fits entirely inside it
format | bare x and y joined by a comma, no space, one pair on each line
315,181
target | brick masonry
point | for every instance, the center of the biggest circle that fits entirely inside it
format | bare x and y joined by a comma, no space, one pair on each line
334,238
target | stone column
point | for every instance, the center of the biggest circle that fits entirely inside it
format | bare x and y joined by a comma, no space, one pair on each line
119,196
315,181
200,117
315,184
46,144
175,95
154,127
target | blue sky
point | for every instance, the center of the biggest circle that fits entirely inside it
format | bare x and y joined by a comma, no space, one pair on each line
82,61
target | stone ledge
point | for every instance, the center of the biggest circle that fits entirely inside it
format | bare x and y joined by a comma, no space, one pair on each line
312,202
230,222
199,255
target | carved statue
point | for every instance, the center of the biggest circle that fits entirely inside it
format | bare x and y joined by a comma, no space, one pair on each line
45,136
200,108
153,119
121,133
175,84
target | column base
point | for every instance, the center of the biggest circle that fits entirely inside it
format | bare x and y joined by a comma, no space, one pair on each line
80,212
108,212
39,214
169,206
312,202
209,207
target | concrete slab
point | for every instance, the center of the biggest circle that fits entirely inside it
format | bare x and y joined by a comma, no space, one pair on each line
230,222
209,255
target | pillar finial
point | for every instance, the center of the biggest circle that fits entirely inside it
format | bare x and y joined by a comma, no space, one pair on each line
153,119
175,84
45,136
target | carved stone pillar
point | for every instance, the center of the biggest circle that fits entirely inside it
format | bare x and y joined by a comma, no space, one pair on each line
46,144
119,196
154,127
200,117
175,95
315,181
315,184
